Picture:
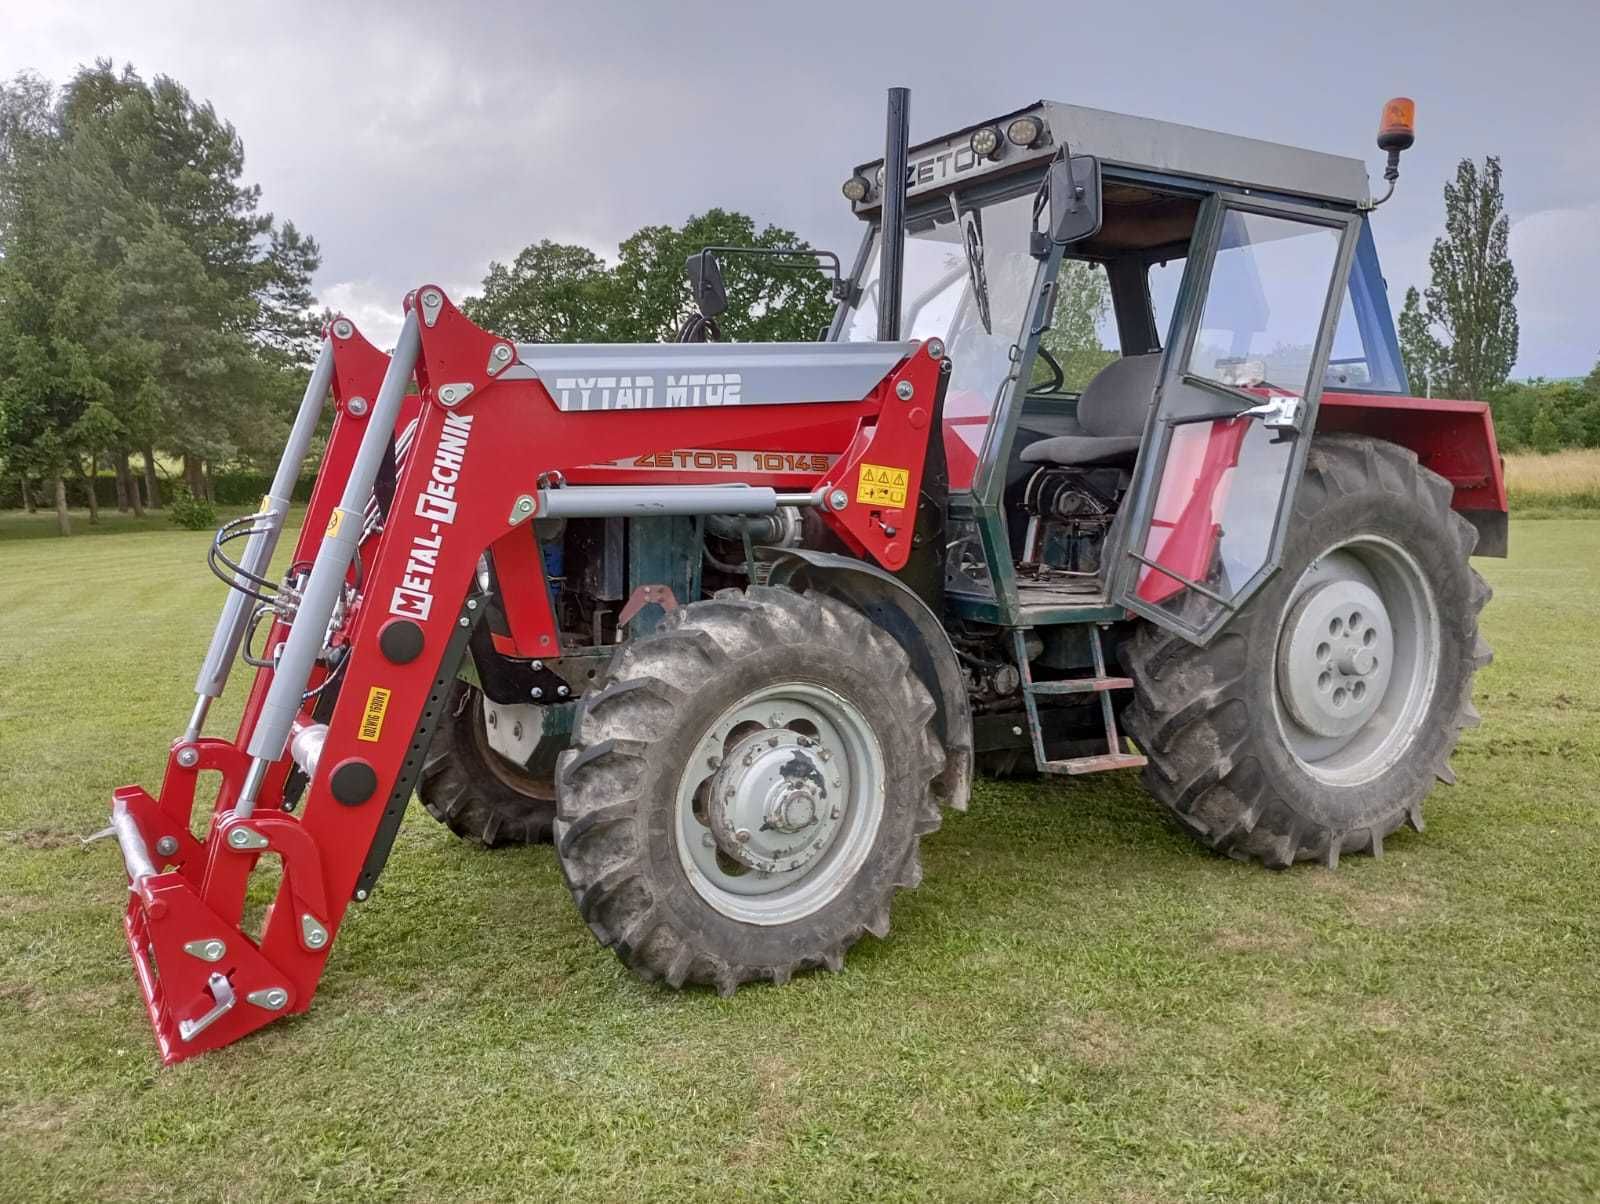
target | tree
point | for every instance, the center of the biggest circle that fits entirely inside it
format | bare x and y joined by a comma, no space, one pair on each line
1418,348
1471,300
551,293
767,301
1083,299
559,293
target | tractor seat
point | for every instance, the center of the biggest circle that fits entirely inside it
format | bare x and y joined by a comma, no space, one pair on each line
1111,415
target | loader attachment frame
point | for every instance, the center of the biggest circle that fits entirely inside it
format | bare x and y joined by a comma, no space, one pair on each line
376,612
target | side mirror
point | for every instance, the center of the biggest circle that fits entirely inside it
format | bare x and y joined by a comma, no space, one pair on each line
1075,204
705,282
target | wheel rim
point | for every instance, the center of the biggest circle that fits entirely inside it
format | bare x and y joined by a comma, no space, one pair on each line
541,789
1357,660
780,803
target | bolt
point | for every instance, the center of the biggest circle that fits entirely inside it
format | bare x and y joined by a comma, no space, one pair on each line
563,691
825,753
1015,730
905,390
167,846
361,896
838,499
538,665
502,352
464,621
935,349
742,835
713,762
357,406
708,841
536,692
212,950
448,395
432,298
316,939
238,838
835,813
775,719
891,532
188,756
342,329
472,604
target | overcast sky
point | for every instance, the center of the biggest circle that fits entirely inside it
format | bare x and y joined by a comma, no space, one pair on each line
421,141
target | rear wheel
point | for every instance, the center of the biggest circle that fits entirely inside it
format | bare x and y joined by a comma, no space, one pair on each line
1317,721
473,790
747,789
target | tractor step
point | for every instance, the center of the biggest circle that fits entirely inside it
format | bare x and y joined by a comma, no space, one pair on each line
1083,685
1115,756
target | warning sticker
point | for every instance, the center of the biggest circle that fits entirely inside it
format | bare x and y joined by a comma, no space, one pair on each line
372,718
334,520
882,486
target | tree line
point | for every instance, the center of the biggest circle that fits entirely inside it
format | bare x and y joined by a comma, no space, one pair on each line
150,310
1459,335
152,314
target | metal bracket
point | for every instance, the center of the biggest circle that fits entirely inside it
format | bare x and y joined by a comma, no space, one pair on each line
1280,412
207,951
222,992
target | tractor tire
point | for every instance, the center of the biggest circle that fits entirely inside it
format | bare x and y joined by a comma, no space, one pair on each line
746,790
1315,723
473,790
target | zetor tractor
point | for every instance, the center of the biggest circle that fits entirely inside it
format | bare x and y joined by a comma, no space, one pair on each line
732,624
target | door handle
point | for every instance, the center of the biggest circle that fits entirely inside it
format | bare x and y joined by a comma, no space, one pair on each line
1281,413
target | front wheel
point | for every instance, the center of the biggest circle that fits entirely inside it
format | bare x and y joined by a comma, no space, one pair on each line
747,789
1320,717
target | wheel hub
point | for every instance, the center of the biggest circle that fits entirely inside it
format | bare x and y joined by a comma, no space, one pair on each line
1335,657
769,806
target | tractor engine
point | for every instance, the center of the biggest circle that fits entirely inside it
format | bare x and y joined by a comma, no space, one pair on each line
1070,512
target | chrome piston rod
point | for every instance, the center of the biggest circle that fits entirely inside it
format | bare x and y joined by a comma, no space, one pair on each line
261,545
325,585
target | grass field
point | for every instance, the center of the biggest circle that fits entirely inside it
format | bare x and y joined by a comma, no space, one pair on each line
1078,1004
1563,480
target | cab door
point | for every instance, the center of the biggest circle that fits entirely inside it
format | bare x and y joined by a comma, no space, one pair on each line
1235,406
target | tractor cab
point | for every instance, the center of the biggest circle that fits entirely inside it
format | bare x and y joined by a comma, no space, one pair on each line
1141,318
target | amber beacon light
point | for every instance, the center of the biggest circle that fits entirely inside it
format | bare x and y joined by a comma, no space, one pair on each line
1396,132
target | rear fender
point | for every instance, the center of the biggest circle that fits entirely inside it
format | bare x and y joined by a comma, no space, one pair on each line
890,604
1452,438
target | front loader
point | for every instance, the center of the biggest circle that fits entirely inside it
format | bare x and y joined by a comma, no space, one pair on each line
731,624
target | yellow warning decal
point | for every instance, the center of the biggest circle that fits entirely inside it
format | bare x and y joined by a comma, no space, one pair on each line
879,485
334,520
372,718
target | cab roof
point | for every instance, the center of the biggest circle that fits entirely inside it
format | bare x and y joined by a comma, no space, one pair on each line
1211,159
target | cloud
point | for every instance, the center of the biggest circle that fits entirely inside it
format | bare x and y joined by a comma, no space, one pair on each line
420,141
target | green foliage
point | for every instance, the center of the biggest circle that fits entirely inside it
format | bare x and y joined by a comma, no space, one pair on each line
1083,301
1418,348
145,300
1546,415
190,512
1464,337
559,293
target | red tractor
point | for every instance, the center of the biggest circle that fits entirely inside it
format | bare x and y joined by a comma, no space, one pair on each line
732,624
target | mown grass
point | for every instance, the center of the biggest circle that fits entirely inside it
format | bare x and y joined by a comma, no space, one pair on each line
1078,1004
1548,485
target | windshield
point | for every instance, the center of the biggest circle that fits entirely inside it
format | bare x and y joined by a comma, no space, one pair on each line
938,301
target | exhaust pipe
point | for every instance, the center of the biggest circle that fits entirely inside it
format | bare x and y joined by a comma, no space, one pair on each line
891,265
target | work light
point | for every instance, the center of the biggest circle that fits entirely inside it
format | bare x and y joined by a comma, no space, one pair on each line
985,143
1025,131
855,189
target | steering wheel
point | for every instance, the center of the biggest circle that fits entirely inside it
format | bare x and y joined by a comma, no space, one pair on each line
1058,378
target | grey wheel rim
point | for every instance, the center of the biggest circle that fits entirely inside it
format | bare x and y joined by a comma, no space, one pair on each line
1357,660
780,803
